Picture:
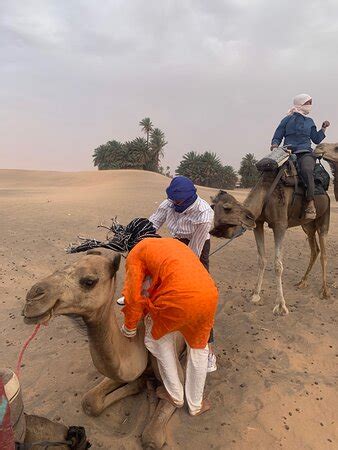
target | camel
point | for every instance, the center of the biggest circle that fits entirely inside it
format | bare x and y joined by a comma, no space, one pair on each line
86,288
280,211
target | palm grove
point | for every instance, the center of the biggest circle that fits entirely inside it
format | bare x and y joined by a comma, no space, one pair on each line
145,153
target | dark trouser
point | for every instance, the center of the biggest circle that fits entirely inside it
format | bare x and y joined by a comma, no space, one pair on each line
204,258
306,163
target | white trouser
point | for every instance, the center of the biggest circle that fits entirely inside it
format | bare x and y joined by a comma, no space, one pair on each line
164,350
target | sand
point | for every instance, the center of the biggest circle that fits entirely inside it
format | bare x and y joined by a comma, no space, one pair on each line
276,383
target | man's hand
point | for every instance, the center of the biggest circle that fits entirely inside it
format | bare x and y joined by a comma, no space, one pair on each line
128,333
273,146
326,124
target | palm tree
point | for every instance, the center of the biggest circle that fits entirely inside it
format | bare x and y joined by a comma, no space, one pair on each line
248,171
212,166
109,156
135,154
147,127
157,142
190,166
206,169
228,178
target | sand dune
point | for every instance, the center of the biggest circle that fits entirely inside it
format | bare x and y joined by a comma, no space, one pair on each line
276,383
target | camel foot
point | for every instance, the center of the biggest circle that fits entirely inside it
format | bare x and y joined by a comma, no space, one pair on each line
301,284
256,298
154,435
92,406
280,310
325,293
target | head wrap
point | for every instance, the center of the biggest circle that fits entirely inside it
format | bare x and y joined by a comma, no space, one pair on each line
299,105
182,193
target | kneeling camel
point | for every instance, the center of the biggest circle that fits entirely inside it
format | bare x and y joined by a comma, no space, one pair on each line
85,288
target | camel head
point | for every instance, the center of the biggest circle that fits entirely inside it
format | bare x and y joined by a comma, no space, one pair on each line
230,216
329,152
81,288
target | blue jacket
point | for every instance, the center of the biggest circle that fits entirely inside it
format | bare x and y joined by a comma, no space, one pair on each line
298,131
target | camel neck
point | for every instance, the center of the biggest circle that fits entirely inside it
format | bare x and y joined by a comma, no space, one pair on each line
114,355
255,200
105,340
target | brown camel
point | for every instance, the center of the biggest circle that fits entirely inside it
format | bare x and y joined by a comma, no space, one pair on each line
280,213
85,288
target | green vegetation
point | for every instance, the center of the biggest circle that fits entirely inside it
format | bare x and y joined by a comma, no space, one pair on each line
140,153
206,169
248,172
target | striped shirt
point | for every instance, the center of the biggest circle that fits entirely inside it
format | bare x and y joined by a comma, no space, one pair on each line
193,224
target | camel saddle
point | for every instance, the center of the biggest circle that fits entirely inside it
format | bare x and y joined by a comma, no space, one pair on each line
284,164
291,177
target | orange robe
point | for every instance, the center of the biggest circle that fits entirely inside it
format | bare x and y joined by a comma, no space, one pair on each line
182,294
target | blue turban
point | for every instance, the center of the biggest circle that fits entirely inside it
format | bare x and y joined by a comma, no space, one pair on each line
182,190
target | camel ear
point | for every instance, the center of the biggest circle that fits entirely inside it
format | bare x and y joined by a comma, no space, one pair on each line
115,264
94,252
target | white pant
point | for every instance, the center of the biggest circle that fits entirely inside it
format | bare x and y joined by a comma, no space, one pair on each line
164,350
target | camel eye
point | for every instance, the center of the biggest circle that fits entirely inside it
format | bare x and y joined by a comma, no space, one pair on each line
249,216
88,282
227,208
212,206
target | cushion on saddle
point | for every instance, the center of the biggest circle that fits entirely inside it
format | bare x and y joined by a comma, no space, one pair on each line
273,161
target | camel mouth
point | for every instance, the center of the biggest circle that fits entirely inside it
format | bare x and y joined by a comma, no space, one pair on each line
43,318
223,231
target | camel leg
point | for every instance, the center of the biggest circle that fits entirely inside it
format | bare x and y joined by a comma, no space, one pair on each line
42,429
152,398
132,388
154,434
280,307
310,230
259,236
93,402
325,292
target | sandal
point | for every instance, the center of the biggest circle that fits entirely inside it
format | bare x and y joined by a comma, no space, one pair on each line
206,405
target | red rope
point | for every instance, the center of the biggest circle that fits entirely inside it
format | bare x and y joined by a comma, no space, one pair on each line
25,345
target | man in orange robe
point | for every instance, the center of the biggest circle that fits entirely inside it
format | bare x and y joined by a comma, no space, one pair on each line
181,298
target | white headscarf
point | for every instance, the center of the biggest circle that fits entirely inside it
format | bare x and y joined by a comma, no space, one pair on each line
299,106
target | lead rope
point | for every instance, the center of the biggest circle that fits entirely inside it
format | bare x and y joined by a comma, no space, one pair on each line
240,233
24,347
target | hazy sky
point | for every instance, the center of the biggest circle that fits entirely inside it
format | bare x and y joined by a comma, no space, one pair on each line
214,75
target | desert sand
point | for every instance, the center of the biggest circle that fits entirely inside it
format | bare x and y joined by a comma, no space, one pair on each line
276,382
